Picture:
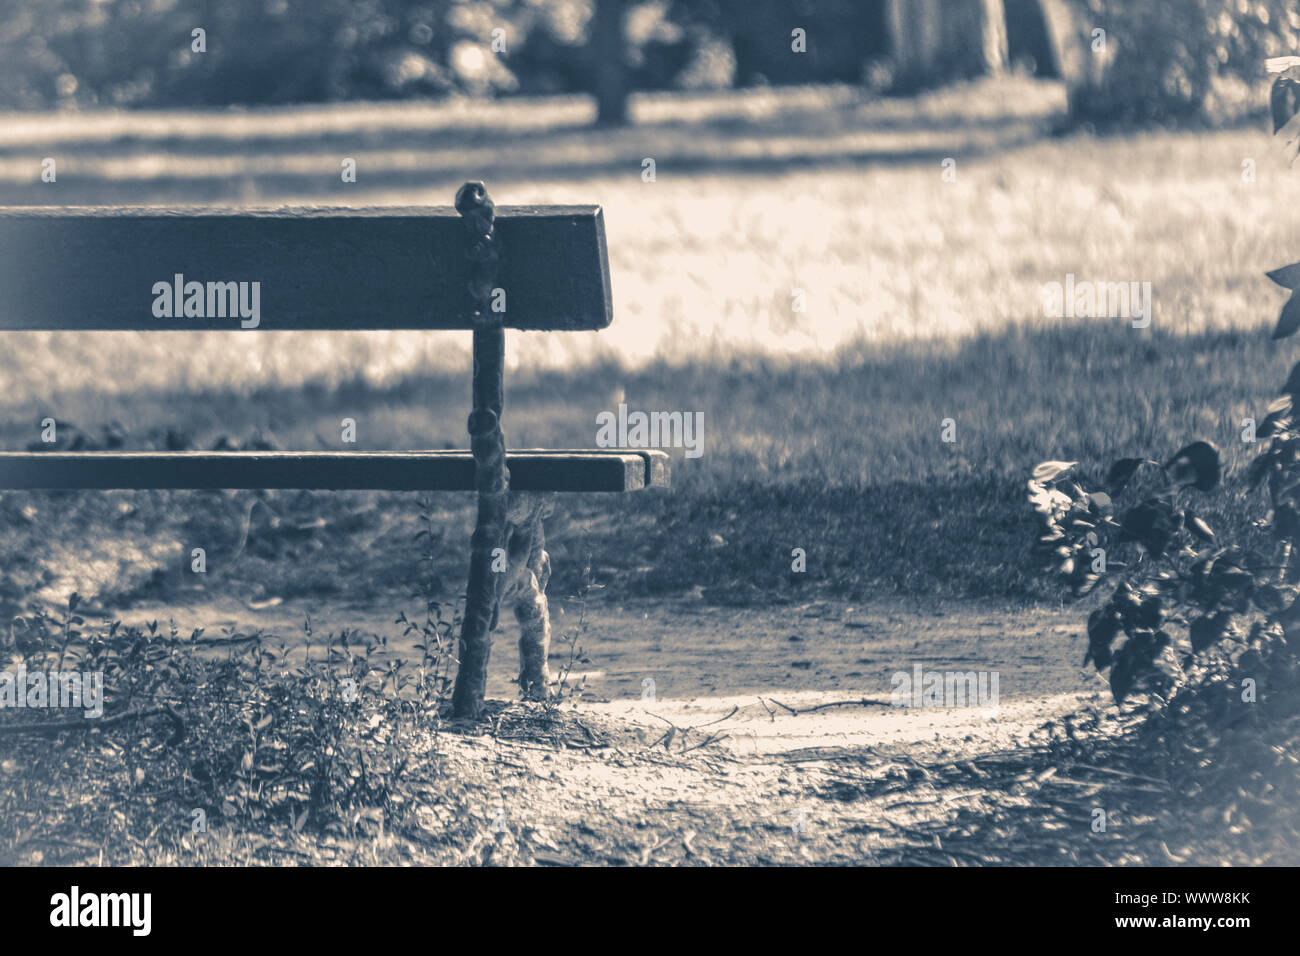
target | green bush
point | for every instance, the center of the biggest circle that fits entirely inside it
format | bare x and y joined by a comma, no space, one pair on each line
129,53
1171,61
226,725
1203,623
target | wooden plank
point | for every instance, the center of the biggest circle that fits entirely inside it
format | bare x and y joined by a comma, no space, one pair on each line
381,268
658,472
589,470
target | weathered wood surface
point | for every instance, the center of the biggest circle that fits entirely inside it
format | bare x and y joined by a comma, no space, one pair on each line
384,268
612,470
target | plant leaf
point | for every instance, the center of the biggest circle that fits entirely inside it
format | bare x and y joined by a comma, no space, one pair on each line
1136,659
1284,95
1151,523
1051,470
1289,319
1269,599
1292,386
1280,64
1288,277
1103,625
1199,528
1272,425
1205,631
1121,473
1257,469
1196,464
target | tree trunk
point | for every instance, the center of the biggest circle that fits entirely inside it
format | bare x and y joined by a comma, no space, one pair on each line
608,56
1082,67
938,40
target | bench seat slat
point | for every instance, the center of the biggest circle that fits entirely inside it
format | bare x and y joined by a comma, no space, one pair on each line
88,267
614,470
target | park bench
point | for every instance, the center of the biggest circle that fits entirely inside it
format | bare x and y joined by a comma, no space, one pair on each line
473,267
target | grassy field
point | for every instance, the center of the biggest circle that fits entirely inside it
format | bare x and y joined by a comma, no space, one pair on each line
822,428
843,459
754,197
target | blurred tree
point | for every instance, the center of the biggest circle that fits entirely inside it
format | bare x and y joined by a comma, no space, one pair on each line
839,36
1170,61
130,53
607,52
1163,61
1031,44
939,40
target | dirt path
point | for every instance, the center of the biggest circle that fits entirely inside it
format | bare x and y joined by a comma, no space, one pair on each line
742,780
767,736
688,648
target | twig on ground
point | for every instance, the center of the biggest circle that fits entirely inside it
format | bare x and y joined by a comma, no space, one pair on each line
860,702
712,738
646,851
1123,773
53,727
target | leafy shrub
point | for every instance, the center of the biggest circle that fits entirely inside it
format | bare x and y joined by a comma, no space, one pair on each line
1192,608
1164,58
125,53
128,54
236,725
1206,626
324,737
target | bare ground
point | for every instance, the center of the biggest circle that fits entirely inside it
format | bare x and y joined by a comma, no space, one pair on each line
690,647
749,780
767,737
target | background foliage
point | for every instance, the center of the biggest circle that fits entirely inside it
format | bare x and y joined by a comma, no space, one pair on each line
138,52
1166,61
1170,61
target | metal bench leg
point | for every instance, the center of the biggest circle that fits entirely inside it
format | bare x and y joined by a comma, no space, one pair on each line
491,478
530,570
483,590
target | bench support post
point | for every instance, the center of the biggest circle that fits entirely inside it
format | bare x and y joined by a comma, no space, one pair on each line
492,480
487,444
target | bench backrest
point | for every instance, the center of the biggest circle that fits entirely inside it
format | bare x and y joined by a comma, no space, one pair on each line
383,268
